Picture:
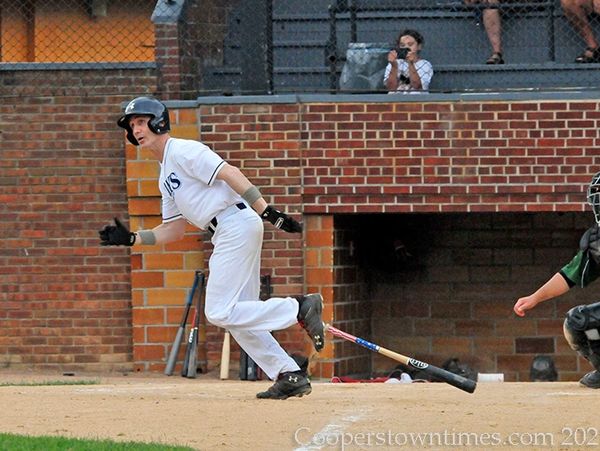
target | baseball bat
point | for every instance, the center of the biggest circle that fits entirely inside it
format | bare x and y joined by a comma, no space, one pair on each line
455,380
188,348
177,341
192,363
225,356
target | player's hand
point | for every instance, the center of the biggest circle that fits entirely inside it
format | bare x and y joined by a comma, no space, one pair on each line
117,235
590,242
523,304
281,220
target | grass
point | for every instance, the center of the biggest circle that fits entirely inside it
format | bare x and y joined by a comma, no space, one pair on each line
56,382
13,442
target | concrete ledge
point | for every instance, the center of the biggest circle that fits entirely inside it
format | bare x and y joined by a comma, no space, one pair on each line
522,95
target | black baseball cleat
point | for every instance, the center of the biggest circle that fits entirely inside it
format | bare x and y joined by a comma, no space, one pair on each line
591,379
309,317
292,383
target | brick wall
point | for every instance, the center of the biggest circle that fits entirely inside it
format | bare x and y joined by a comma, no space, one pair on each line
448,156
405,157
68,304
64,302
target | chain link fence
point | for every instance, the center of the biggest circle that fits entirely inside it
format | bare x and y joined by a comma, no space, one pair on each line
76,31
286,46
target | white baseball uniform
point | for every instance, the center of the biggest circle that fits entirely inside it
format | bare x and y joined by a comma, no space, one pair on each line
190,189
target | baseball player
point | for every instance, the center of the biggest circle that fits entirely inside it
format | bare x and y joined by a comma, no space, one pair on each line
199,187
582,323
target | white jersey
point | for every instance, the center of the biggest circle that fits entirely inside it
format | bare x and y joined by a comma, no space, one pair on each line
188,183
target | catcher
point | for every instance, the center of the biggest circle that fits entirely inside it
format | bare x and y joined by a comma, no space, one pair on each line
582,323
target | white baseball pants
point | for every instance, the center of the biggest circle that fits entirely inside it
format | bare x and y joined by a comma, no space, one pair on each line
233,290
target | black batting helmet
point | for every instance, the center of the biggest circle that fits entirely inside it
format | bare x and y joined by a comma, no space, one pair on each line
146,106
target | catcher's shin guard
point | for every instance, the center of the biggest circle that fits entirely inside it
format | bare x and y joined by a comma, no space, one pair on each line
581,329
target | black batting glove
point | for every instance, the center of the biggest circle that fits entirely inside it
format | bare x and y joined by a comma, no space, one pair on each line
117,235
590,243
281,220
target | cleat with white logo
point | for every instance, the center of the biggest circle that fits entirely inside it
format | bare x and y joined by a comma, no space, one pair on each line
309,317
292,383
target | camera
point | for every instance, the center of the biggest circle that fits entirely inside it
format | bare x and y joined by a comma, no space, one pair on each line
402,52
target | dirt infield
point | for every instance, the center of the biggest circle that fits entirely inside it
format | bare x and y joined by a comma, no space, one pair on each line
208,414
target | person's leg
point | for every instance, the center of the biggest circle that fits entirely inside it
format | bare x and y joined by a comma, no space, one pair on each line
260,345
232,302
234,265
582,333
492,21
237,246
577,12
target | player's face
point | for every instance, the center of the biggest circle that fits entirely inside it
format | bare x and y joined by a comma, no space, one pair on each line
141,131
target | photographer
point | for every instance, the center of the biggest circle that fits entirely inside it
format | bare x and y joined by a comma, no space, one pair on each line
406,71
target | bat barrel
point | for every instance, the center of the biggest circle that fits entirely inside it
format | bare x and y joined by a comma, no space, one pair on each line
455,380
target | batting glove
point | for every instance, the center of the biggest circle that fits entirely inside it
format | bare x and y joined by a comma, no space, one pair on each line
281,220
117,235
590,242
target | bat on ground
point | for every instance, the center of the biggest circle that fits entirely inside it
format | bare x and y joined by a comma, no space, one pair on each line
456,380
178,337
225,356
192,351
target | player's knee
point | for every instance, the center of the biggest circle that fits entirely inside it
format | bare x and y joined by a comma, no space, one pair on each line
575,338
581,327
584,317
217,317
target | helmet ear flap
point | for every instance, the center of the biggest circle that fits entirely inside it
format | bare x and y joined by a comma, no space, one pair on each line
160,123
131,138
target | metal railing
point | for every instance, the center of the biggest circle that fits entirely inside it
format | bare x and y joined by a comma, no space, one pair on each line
283,46
354,9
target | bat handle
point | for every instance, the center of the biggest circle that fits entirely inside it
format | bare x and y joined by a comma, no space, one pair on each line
224,373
